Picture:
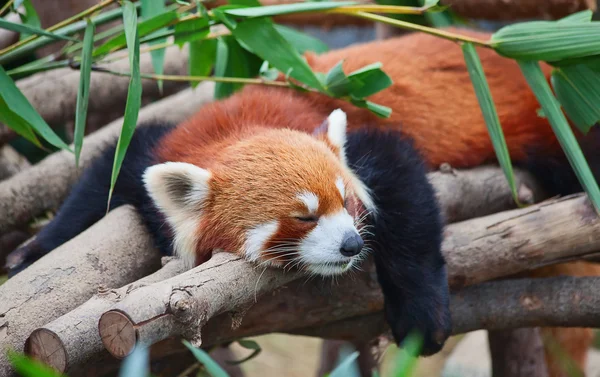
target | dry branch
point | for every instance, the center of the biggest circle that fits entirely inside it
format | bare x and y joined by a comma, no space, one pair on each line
182,304
478,184
54,93
45,185
60,281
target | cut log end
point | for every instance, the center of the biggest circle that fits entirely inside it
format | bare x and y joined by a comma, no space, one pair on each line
118,333
45,346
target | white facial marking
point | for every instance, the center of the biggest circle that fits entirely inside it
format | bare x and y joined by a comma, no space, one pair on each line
178,190
339,183
320,249
310,200
256,238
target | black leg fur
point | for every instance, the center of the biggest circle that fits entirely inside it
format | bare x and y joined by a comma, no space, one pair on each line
407,236
86,203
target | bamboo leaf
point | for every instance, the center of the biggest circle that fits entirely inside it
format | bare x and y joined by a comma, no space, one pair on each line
488,109
17,124
369,80
134,93
27,29
144,28
249,345
336,81
202,58
345,367
302,42
578,90
535,77
548,40
136,364
152,8
261,37
211,366
191,30
583,16
83,93
29,367
18,104
30,18
276,10
407,360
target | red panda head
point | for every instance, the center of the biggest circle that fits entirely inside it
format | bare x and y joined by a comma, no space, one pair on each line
278,197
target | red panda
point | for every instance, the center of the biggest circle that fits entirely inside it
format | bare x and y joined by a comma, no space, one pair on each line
273,174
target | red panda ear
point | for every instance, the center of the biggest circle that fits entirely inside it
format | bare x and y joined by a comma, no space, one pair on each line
177,187
333,130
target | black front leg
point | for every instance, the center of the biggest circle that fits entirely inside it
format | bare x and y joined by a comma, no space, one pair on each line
407,235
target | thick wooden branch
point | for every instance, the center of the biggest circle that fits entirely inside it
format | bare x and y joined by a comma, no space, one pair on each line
54,93
184,303
35,190
62,280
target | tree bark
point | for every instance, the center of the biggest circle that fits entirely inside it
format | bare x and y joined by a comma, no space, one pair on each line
60,281
517,353
54,93
183,304
45,185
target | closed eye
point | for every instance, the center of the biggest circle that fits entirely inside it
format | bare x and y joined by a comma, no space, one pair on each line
307,219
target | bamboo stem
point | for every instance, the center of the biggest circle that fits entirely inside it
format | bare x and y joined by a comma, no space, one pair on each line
410,26
66,22
6,6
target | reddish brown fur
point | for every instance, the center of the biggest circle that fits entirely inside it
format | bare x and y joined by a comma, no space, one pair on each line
432,100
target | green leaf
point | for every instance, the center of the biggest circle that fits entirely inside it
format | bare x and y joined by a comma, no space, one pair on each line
430,3
276,10
302,42
583,16
17,124
344,368
30,18
268,73
27,29
578,90
488,109
152,8
261,37
83,93
211,366
191,30
336,81
548,40
249,345
18,104
246,3
537,81
369,80
202,58
134,93
407,360
28,367
144,28
379,110
136,364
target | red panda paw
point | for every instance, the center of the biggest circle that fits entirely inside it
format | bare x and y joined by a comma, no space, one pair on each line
424,313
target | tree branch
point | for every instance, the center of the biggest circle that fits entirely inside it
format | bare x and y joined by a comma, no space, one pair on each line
54,93
33,191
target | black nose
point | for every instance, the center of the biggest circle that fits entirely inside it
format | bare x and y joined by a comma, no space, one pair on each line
352,244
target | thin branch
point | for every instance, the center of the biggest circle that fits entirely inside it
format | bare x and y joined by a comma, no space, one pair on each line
66,22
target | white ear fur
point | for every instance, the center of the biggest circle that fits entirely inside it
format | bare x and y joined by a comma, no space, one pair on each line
337,124
336,131
179,190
